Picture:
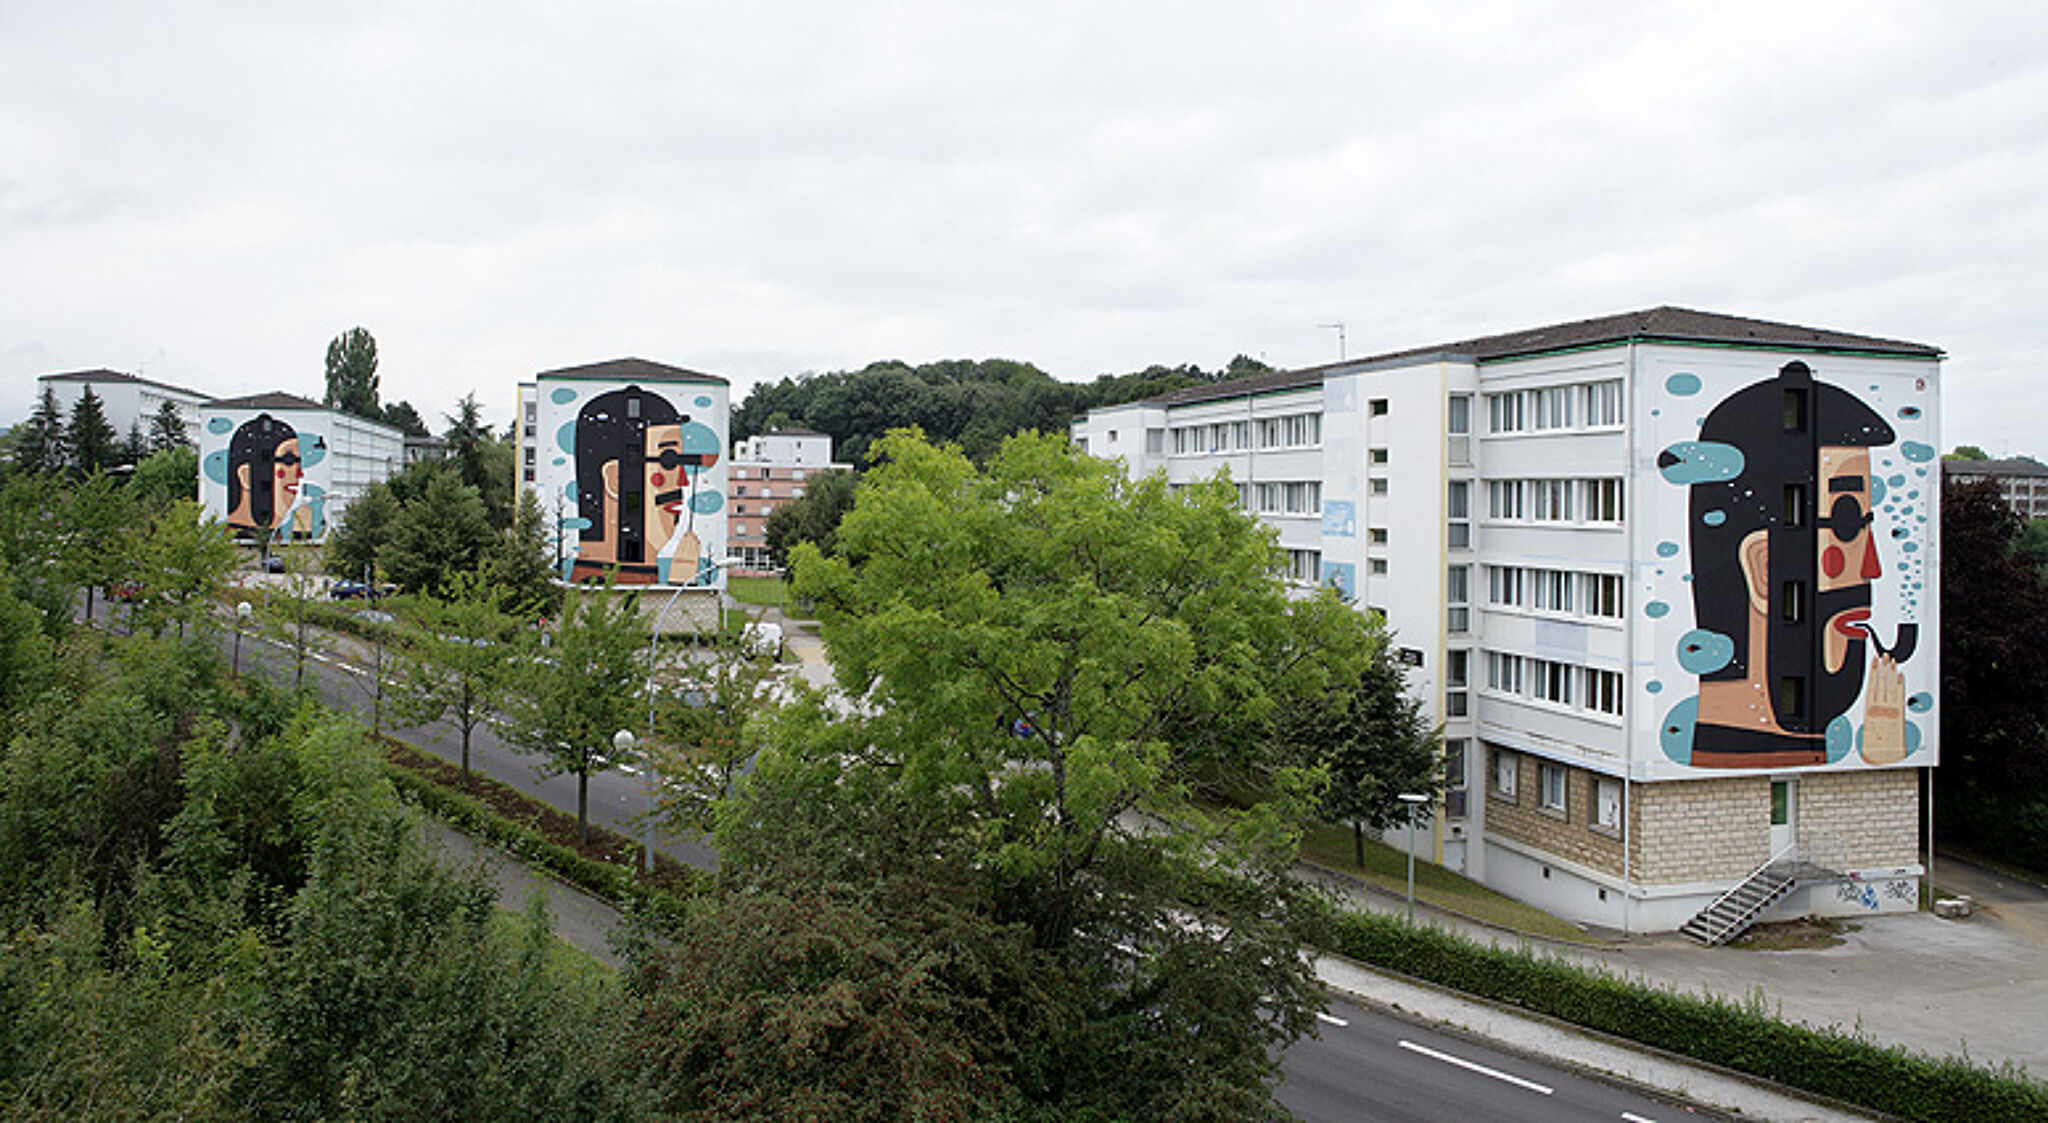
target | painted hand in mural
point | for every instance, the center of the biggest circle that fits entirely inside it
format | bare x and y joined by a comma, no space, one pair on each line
1884,713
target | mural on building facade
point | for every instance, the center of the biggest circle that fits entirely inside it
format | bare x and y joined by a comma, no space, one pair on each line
640,501
1803,561
266,476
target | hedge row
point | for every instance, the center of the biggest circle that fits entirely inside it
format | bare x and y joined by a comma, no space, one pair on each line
605,880
1741,1036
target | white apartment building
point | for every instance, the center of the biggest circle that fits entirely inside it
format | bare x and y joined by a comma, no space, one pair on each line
2022,481
130,401
769,470
287,467
1668,579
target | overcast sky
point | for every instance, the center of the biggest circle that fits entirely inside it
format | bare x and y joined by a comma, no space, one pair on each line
206,193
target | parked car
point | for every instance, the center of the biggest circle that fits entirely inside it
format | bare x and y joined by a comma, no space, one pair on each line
273,564
348,590
762,640
126,591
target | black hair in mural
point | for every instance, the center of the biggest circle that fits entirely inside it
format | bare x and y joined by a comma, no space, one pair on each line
612,429
255,447
1780,428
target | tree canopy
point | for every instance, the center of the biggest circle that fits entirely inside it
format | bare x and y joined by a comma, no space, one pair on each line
1049,655
352,374
89,437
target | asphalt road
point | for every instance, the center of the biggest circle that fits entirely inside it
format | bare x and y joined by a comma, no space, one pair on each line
1372,1066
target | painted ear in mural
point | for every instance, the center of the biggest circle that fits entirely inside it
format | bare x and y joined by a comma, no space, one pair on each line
1754,555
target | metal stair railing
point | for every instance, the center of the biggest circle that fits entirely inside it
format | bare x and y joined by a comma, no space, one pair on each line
1713,930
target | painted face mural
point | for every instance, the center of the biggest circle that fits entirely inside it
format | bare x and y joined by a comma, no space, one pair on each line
639,464
1783,561
265,471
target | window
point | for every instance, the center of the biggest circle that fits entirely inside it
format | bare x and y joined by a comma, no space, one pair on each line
1551,779
1795,411
1378,456
1507,767
1551,682
739,491
1602,403
1376,566
1553,590
1781,803
1603,500
1454,778
1791,696
1305,565
1603,691
1377,407
1504,499
1457,668
1607,804
1792,601
739,508
1504,672
1458,499
1379,487
1551,408
1794,513
1458,415
1550,500
1603,595
1504,413
1376,535
1457,592
1456,703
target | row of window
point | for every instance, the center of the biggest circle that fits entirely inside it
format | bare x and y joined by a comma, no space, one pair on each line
1299,497
739,491
1560,684
758,473
1299,430
1557,591
1305,565
1567,501
1585,405
1553,789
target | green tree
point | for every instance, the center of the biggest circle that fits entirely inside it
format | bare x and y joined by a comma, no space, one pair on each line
34,548
454,662
288,611
1967,452
1033,641
181,567
167,429
443,532
521,564
702,715
480,461
166,476
586,686
352,374
812,517
90,438
402,417
101,525
353,547
39,445
1345,708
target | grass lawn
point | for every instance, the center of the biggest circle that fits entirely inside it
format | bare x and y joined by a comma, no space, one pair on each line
1386,867
755,590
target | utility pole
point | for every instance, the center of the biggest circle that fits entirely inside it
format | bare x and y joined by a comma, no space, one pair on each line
1339,326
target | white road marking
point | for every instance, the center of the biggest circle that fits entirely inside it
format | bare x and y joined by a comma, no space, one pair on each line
1632,1117
1478,1068
1338,1022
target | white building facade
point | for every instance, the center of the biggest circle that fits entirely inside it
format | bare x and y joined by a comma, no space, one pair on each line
130,401
1668,580
288,467
768,471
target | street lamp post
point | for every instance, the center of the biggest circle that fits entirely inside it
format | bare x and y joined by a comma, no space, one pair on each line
1414,800
653,778
242,614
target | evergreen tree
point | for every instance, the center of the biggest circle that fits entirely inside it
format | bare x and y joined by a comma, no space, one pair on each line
352,374
134,448
167,428
522,565
442,533
402,417
40,445
93,444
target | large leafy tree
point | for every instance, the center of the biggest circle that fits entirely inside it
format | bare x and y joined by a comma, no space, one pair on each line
181,567
587,685
102,524
166,476
352,548
352,374
444,532
90,437
521,566
1036,643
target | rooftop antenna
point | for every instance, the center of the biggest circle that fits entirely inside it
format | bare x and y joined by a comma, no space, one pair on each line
1339,326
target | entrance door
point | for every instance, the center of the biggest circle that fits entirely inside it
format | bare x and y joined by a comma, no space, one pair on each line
1784,797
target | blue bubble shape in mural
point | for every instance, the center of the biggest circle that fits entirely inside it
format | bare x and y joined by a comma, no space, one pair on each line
1909,413
565,437
562,396
1683,384
561,460
703,401
575,522
1654,687
1667,549
707,502
1877,490
312,449
1841,737
1676,732
1702,652
1714,518
216,466
1916,451
1656,610
569,490
1697,462
1920,703
219,425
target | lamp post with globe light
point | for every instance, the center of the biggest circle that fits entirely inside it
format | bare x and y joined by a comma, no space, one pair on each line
243,611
